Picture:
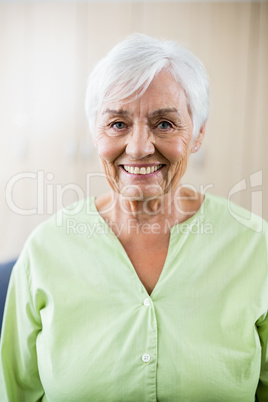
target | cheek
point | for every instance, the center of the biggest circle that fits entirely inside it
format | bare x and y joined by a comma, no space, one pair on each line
108,152
108,149
177,150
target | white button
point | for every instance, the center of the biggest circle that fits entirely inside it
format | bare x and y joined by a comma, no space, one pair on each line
146,358
147,302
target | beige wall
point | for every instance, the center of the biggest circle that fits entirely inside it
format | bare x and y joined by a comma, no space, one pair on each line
47,51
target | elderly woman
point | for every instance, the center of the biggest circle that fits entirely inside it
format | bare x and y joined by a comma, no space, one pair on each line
146,308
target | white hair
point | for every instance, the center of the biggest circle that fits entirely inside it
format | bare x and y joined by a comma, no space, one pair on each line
132,64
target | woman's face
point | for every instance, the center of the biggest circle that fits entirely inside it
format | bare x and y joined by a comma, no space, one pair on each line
144,143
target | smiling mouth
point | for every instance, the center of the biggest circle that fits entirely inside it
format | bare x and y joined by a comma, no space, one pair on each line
142,170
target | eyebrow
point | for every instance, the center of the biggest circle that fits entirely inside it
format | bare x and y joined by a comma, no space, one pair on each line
120,112
123,112
163,111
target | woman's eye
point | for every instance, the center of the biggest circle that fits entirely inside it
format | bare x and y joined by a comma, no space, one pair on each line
164,125
119,125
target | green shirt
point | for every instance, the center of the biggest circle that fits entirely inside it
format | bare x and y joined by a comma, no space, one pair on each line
80,326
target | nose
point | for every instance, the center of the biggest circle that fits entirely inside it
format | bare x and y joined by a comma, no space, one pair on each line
140,143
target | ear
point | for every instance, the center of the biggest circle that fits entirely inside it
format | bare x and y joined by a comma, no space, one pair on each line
198,141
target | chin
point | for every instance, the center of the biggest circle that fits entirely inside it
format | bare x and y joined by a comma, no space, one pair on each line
140,194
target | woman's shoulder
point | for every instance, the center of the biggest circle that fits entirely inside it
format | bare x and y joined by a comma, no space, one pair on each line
226,213
67,238
57,231
77,212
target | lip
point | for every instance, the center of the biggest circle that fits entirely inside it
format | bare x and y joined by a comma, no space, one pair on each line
139,165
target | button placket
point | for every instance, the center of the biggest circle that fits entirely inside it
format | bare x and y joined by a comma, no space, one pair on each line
148,357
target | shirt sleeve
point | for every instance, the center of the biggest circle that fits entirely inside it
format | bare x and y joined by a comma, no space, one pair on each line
262,328
19,377
262,389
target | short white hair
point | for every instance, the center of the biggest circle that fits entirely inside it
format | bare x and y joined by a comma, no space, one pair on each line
132,64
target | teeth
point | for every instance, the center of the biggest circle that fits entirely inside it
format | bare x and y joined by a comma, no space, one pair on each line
142,170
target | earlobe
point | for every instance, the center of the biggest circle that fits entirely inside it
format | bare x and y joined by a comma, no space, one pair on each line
199,140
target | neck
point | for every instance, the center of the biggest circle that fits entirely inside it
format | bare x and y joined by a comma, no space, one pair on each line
166,211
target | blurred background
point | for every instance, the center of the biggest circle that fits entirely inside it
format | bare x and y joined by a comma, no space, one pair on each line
47,50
